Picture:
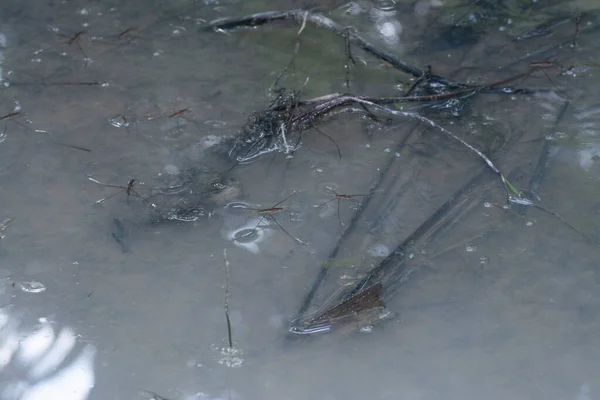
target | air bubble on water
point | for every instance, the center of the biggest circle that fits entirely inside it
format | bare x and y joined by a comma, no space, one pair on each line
379,250
529,223
210,141
470,249
296,216
119,121
83,11
584,392
215,123
520,200
178,30
157,53
231,357
249,236
33,287
276,321
171,169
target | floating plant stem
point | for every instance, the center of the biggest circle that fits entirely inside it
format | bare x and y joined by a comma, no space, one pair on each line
229,336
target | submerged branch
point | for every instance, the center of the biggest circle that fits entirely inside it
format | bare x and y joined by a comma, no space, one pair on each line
303,16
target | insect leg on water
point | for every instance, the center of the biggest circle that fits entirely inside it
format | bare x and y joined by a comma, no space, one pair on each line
129,191
12,117
339,197
543,65
16,113
151,395
76,40
178,115
269,213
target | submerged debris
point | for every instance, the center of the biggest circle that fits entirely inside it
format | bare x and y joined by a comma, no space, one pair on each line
4,225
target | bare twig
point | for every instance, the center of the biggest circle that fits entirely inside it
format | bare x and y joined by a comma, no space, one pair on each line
293,58
302,17
229,336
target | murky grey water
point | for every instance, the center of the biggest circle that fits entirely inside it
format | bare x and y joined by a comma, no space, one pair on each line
99,300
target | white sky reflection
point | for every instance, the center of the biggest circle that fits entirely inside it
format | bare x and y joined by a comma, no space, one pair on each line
45,363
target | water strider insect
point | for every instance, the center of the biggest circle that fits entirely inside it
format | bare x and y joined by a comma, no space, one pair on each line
339,197
16,113
269,213
76,39
129,191
178,115
543,65
12,117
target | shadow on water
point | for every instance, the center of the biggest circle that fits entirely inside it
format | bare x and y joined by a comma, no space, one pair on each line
367,200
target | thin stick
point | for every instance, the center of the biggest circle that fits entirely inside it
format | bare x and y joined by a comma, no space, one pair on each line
296,50
345,99
577,30
91,83
315,19
324,270
151,395
229,336
541,165
302,16
72,146
349,57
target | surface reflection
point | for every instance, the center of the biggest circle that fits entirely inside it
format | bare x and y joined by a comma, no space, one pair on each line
43,363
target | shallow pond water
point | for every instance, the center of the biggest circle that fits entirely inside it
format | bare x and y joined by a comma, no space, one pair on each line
124,227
